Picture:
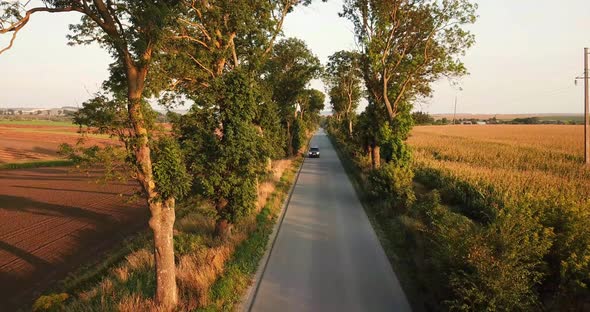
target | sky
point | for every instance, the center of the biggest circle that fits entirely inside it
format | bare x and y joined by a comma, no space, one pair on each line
525,59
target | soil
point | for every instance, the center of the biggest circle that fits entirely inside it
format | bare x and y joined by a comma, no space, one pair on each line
23,143
53,220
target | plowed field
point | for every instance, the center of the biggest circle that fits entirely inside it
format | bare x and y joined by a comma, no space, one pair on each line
51,221
21,142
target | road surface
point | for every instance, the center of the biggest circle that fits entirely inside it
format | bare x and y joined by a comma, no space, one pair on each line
327,256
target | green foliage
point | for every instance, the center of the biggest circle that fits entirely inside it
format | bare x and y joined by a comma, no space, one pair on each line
311,102
479,203
298,135
37,164
393,147
224,147
50,303
344,79
269,120
186,243
496,267
392,184
422,118
106,113
407,45
170,175
290,67
569,258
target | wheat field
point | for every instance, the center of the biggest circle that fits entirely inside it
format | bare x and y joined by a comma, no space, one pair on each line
542,161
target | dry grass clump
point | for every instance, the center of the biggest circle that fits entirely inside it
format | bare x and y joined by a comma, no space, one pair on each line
134,303
197,272
122,273
88,295
264,190
196,223
140,260
279,167
106,286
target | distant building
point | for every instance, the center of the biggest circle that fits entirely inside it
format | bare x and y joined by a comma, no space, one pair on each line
46,112
482,123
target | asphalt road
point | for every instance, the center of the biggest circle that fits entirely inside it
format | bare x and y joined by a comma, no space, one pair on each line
327,256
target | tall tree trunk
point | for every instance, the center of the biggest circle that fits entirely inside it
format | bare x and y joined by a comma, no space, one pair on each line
375,156
222,226
162,211
162,224
350,127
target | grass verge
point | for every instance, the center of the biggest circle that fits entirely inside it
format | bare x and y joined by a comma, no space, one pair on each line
37,122
37,164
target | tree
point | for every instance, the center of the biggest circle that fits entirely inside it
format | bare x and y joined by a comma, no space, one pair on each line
237,130
310,103
132,32
290,68
422,118
406,46
225,150
344,78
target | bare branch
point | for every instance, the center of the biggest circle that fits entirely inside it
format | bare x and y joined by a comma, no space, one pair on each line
279,27
189,38
11,42
18,25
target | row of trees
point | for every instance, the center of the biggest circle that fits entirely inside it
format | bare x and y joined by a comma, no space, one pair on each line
404,47
248,94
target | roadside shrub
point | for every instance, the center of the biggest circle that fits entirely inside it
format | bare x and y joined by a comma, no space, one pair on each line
392,184
487,267
569,259
50,303
478,202
185,243
393,145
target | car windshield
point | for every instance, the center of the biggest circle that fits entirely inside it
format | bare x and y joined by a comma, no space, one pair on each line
314,149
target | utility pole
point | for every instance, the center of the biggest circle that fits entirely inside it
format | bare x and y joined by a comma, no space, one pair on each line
586,108
455,112
586,79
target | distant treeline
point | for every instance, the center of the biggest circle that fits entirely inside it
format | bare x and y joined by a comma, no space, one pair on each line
422,118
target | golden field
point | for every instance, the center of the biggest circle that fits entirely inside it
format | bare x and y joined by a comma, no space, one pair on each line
542,161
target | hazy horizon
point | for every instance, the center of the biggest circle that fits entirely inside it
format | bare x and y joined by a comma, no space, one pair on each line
525,59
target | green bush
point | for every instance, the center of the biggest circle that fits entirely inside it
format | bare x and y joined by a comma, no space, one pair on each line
392,184
479,203
185,243
497,266
50,303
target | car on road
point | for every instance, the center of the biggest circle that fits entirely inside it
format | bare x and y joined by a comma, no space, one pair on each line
314,152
